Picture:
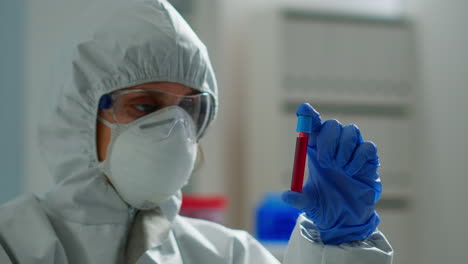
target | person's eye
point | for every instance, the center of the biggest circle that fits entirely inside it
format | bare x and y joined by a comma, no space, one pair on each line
145,108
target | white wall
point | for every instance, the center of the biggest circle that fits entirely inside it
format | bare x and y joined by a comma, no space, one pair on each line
441,197
45,21
11,93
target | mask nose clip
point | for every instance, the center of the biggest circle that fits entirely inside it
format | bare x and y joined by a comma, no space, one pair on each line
170,125
157,123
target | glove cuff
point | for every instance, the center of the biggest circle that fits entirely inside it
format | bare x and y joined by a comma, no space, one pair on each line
340,234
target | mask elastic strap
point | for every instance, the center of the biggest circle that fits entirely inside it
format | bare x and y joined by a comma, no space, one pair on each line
105,122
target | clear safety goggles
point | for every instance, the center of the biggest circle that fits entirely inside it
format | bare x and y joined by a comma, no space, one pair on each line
130,105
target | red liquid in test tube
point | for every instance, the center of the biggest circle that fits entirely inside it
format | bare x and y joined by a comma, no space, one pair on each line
302,140
305,117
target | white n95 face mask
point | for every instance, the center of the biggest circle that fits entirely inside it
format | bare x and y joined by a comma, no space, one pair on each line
151,158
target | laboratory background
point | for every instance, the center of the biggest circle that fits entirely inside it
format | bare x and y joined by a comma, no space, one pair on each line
396,68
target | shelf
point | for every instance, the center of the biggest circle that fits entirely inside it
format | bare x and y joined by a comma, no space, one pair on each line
299,13
394,199
374,107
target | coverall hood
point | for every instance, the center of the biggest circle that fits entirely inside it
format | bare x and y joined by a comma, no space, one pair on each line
128,43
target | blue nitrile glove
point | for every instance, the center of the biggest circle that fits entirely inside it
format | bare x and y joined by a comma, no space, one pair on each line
343,184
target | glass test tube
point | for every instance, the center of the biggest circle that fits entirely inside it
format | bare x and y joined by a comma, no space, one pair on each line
297,180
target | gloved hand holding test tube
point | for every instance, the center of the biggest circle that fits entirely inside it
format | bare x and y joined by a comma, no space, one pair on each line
343,184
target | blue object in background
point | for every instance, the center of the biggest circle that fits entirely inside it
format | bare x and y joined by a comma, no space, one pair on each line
275,220
11,90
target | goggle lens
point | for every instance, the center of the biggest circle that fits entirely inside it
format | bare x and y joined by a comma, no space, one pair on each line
130,105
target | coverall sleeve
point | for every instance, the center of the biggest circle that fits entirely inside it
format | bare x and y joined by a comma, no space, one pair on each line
253,252
4,259
305,246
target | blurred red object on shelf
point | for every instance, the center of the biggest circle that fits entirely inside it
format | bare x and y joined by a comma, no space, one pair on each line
204,206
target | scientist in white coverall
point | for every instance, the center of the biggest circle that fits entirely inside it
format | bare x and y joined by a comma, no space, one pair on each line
138,92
